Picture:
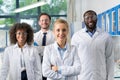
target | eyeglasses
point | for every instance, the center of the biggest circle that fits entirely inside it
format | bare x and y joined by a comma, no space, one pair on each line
46,20
94,17
21,33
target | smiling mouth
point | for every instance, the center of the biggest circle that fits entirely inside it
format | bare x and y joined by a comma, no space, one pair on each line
90,24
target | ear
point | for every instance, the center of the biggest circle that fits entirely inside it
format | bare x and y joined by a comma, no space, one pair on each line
39,22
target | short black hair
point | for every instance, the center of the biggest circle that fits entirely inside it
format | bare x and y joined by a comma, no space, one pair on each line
44,14
90,11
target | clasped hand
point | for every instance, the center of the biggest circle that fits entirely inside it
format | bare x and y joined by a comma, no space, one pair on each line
54,68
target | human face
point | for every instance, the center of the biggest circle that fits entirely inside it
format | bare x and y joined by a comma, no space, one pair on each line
90,20
44,22
21,37
60,32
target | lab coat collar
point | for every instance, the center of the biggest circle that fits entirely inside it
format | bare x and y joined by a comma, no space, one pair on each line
97,30
67,46
57,46
16,45
89,31
44,32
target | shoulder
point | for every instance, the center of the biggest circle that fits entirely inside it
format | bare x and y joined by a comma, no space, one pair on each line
77,35
31,47
10,47
50,32
106,34
50,46
78,32
37,33
69,46
73,47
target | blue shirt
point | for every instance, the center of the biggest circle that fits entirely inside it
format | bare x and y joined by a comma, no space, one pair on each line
90,33
61,51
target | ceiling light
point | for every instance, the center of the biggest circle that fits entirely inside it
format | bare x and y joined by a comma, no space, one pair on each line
37,4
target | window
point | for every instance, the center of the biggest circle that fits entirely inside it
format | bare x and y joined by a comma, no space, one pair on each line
55,8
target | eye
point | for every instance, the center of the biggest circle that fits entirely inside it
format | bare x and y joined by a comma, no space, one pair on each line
93,17
46,20
21,33
58,30
64,30
18,33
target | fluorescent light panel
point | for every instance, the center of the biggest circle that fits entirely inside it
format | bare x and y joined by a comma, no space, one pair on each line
37,4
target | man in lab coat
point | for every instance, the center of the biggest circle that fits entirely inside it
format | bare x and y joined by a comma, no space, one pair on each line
44,23
95,49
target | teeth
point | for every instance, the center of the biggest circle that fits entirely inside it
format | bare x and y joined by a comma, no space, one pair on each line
90,23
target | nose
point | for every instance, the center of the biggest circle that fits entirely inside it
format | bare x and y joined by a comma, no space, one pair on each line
90,19
61,32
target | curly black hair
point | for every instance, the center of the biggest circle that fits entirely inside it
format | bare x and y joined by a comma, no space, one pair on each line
21,26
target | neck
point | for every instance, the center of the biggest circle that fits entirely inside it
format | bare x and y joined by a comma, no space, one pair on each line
91,30
44,30
21,45
61,44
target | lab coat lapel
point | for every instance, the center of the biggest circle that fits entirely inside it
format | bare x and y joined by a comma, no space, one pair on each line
17,61
85,34
27,54
98,32
66,54
57,51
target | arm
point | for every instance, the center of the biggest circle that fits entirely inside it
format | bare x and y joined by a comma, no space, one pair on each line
70,70
74,40
109,59
37,66
5,65
75,68
46,66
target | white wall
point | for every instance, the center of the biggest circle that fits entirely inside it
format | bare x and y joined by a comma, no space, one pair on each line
100,5
97,5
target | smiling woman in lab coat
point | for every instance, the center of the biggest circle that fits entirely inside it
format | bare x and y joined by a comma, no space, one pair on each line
21,60
60,60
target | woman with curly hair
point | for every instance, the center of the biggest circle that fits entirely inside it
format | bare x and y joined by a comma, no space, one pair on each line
20,59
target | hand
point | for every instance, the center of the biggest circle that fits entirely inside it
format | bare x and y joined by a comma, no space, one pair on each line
54,68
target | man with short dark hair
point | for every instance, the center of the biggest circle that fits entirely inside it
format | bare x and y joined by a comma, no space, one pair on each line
45,35
95,49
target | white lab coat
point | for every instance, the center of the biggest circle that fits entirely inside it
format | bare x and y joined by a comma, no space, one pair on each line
96,55
69,65
38,36
12,64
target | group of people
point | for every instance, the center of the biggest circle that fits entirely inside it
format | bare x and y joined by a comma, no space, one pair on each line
48,55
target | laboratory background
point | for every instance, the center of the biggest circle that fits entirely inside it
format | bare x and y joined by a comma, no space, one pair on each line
12,11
